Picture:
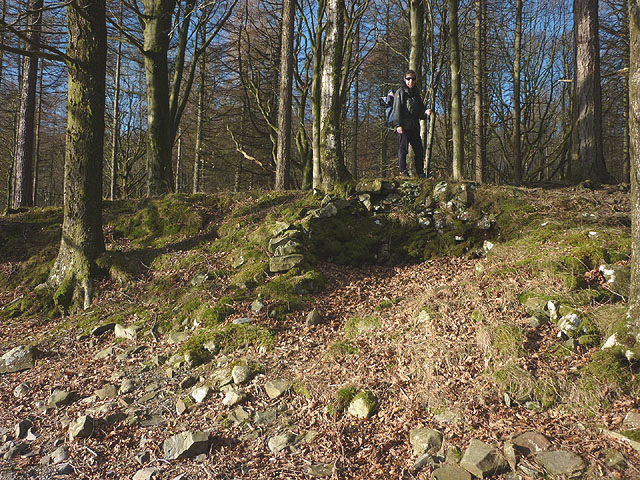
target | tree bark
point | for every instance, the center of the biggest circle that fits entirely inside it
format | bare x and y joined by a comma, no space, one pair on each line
517,116
331,155
634,136
316,92
353,167
456,93
478,86
22,191
416,20
82,239
115,133
197,160
283,162
587,153
157,26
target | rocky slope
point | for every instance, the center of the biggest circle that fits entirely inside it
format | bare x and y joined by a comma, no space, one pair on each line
415,330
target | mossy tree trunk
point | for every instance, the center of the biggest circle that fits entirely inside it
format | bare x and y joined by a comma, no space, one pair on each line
479,84
331,154
156,28
22,191
285,99
82,239
587,150
456,92
517,116
634,135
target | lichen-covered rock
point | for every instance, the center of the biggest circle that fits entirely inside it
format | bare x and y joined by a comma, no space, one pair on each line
18,359
285,263
186,445
529,443
481,459
280,442
560,462
450,472
277,387
242,374
425,440
81,427
618,278
363,404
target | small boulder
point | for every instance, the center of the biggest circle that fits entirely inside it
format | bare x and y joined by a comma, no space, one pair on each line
60,398
18,359
22,428
146,474
285,263
280,442
363,404
199,395
60,454
257,306
242,374
81,427
481,459
632,420
618,278
128,333
186,445
277,387
450,472
108,391
530,443
21,390
425,440
560,462
233,397
313,318
102,329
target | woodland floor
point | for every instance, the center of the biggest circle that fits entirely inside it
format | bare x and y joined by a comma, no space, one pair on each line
414,367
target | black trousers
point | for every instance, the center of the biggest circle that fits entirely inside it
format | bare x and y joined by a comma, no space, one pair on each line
406,138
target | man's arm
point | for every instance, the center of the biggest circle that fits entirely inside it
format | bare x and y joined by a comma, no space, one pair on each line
396,111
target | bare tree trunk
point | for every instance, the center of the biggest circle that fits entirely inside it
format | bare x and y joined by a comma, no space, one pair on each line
22,191
456,93
179,163
157,26
517,137
197,161
587,154
3,15
331,154
478,85
316,92
353,168
82,239
36,156
283,163
634,131
416,20
626,161
115,122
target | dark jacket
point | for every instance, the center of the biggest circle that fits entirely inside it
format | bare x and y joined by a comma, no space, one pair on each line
408,109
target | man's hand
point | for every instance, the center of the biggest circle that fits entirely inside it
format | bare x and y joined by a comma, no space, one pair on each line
399,130
428,112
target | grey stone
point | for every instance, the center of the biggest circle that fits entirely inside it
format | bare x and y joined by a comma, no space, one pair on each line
319,470
450,472
454,455
199,278
614,459
241,374
277,387
284,238
266,417
188,382
291,247
618,278
529,443
81,427
142,457
425,440
257,306
284,264
280,442
108,391
560,462
242,321
64,469
200,394
60,454
363,405
22,427
186,445
233,397
177,337
102,329
18,359
632,420
313,318
510,454
450,417
127,386
181,407
128,333
104,353
238,416
152,421
481,459
60,398
21,390
425,460
146,474
537,307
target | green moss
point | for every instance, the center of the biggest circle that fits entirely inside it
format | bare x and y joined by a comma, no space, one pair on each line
301,389
345,396
227,339
609,368
159,221
369,399
632,434
386,304
508,339
359,325
516,381
341,348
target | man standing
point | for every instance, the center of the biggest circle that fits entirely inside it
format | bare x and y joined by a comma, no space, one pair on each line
408,109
